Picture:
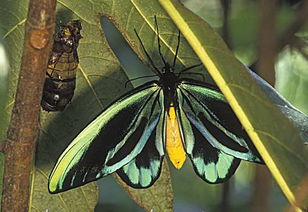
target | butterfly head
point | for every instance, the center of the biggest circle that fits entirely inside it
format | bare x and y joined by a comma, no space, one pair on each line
168,77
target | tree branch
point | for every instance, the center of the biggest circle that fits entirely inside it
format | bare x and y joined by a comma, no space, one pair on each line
225,5
266,69
267,40
23,129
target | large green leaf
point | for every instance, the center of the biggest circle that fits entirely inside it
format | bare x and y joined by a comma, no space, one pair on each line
275,137
292,77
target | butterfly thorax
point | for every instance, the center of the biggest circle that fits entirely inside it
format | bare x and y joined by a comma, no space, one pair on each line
169,82
173,142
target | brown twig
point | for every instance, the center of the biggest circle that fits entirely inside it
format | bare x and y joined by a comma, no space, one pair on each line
301,195
266,69
23,129
262,186
225,4
267,40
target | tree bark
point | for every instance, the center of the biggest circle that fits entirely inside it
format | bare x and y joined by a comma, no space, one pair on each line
22,133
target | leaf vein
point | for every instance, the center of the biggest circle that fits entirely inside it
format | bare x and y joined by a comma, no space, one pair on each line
59,195
261,132
90,85
129,18
14,27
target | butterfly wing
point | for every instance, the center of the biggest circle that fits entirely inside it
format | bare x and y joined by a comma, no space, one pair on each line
145,168
213,136
110,141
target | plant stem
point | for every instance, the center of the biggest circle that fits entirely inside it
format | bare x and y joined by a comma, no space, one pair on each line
267,40
266,69
22,133
226,6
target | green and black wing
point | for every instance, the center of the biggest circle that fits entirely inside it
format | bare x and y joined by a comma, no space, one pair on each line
115,138
212,134
145,168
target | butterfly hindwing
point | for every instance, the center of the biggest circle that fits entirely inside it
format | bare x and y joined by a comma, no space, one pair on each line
109,142
210,163
207,110
145,168
213,144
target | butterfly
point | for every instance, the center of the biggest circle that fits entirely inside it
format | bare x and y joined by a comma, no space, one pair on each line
63,61
172,115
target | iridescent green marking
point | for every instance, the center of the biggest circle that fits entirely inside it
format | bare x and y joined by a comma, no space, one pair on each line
223,164
210,172
145,177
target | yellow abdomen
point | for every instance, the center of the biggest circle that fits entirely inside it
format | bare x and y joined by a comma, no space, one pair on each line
174,144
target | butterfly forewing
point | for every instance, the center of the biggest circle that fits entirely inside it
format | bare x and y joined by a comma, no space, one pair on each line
112,140
145,168
214,147
207,109
210,164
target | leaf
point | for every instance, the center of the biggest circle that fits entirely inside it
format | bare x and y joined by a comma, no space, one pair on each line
160,197
139,14
12,30
100,80
3,101
3,89
291,77
275,137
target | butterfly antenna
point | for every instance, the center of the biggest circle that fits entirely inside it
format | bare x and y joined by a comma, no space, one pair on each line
148,56
197,74
138,78
177,50
158,42
188,68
